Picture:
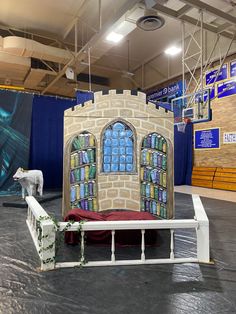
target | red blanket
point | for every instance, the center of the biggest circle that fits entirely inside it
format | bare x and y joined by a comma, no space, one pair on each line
124,237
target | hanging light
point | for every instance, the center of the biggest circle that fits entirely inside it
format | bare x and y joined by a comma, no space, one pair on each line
173,50
114,37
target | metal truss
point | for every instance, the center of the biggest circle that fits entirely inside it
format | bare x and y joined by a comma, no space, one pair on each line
191,62
201,27
194,67
190,4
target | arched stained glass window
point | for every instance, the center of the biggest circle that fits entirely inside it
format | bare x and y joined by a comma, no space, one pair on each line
118,148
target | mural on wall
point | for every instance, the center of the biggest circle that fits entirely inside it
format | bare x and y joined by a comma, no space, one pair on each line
15,127
83,188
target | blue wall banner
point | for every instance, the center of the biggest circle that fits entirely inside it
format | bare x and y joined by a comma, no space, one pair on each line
207,139
166,94
233,68
226,89
211,75
173,90
159,94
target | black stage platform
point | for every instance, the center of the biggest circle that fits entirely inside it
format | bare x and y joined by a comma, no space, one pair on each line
148,289
18,202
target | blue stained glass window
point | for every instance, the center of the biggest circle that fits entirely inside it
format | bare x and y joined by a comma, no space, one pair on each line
118,148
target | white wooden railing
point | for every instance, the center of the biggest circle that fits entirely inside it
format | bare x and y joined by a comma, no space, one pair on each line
43,232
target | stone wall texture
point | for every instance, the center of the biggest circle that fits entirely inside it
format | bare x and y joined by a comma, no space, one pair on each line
116,191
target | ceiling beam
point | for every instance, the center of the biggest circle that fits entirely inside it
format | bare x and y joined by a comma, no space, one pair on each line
148,60
69,27
174,14
15,29
136,84
223,27
210,9
157,71
186,8
79,56
36,36
105,68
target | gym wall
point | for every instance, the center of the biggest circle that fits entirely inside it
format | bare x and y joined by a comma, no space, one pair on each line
223,117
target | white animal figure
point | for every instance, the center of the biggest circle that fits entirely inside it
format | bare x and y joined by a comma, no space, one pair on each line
30,180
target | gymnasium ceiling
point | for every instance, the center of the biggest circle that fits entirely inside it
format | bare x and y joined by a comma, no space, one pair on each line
41,39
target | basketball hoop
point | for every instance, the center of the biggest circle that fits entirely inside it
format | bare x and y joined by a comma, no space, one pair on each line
181,127
195,106
187,120
177,120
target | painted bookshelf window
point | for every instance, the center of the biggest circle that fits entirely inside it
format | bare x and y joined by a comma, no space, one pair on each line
153,175
118,148
83,187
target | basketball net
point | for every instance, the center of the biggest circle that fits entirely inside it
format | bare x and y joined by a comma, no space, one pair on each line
182,124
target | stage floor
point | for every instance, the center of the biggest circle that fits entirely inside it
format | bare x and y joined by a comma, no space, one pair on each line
151,289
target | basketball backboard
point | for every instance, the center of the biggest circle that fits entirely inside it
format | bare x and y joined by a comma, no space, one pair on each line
195,107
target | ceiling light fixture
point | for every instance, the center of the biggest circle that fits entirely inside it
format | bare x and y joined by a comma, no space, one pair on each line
114,37
172,51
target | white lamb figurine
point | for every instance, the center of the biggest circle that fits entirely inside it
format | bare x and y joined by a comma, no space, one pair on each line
30,180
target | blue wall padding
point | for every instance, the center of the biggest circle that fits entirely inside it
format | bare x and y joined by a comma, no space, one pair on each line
183,155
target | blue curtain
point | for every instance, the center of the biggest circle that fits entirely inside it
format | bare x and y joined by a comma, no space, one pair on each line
46,147
183,155
83,96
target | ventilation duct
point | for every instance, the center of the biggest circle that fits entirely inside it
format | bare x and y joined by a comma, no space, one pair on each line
29,48
150,21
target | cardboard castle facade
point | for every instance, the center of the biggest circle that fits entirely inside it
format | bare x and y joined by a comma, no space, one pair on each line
118,154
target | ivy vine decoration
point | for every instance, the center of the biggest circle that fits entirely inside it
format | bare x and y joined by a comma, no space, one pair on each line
39,231
59,238
61,235
82,234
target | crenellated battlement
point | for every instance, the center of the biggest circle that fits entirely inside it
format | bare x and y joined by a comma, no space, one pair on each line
127,102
